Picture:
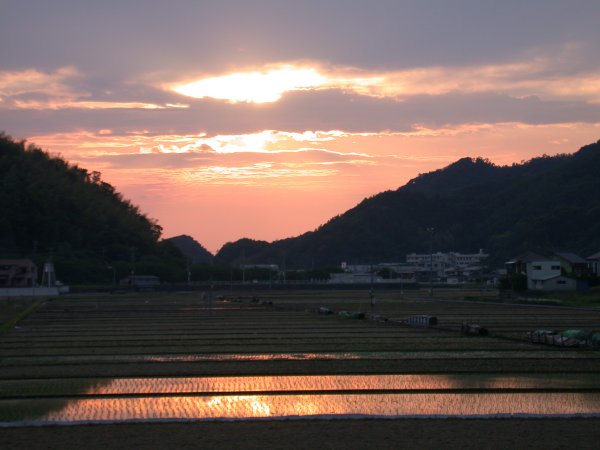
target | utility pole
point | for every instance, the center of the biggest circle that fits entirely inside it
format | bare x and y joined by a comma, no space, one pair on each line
133,261
210,296
189,272
132,278
401,286
372,294
244,267
284,268
431,231
49,275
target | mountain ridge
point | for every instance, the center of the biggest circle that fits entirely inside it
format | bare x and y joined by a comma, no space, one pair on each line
471,204
194,252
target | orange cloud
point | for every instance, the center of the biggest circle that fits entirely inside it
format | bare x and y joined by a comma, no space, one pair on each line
14,83
266,141
36,90
255,174
269,145
81,104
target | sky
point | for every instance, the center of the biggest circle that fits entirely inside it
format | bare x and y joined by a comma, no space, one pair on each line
264,119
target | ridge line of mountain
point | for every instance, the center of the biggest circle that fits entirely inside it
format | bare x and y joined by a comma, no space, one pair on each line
471,204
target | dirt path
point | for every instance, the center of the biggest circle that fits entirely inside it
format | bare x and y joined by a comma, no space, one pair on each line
314,434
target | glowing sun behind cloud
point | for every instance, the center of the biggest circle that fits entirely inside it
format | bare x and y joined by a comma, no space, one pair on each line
255,87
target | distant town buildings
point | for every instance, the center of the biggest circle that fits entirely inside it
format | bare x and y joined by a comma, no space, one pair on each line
442,261
446,268
450,267
273,267
354,278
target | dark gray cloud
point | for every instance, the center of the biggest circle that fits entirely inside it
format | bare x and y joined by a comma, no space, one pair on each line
301,111
122,48
116,39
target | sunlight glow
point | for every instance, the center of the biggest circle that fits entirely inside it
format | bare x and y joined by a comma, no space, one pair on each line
521,78
255,87
266,141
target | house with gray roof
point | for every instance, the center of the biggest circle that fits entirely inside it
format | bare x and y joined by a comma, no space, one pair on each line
572,264
518,264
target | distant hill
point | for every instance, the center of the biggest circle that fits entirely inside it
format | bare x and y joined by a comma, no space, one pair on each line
191,249
545,204
49,207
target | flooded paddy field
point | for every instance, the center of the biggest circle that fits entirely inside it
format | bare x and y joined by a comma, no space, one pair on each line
153,357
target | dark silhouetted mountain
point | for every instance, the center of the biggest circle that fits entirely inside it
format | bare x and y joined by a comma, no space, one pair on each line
235,253
191,249
544,204
49,207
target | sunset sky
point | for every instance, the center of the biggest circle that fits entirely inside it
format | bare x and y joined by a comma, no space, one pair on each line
264,119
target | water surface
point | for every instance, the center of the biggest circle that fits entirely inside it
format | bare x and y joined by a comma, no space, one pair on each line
280,406
204,398
295,383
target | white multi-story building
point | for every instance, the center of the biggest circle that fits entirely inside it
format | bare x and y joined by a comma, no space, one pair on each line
358,268
469,259
440,262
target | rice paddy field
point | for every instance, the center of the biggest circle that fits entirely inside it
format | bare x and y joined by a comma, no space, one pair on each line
265,369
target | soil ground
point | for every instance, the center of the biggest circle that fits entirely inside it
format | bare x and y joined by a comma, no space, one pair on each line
314,434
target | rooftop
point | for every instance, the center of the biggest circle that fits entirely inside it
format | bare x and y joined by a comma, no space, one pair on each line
571,257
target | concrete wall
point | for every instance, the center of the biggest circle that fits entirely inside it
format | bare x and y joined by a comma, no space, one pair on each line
28,292
540,271
560,284
553,284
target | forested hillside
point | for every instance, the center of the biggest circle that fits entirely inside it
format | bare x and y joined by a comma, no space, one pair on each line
50,208
546,204
193,251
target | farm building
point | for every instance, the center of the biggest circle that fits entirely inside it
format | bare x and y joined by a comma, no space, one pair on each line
17,273
140,282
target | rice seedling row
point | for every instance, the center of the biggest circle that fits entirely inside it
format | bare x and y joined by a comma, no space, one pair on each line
273,406
93,387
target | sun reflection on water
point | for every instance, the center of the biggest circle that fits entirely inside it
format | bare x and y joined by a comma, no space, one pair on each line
316,383
257,406
209,398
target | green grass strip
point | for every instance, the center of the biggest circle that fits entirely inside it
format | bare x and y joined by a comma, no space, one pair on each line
5,327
